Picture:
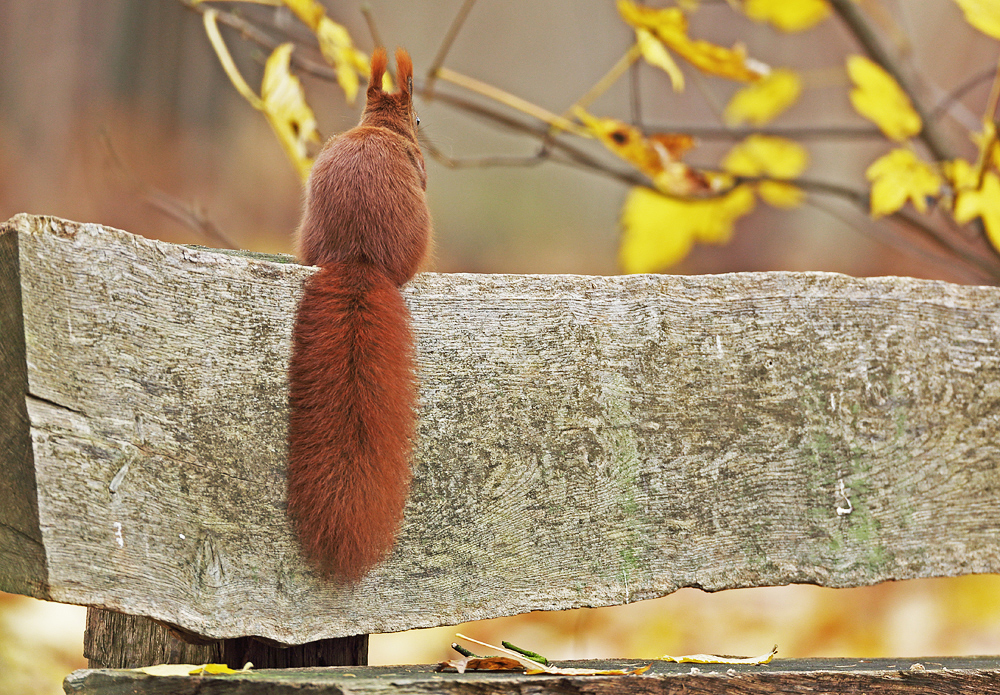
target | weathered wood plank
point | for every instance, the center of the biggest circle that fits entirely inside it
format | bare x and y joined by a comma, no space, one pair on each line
583,440
979,675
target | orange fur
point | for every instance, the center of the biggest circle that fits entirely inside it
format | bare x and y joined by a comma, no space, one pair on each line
352,385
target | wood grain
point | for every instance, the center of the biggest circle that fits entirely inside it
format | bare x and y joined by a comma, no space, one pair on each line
583,441
977,675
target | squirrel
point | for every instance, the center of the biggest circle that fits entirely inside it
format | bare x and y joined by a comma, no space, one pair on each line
352,382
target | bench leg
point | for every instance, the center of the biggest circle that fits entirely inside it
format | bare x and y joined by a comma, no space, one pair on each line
117,640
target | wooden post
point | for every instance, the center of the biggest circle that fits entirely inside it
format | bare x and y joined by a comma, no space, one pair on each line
117,640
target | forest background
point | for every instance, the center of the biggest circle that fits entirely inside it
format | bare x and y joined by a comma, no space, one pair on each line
118,112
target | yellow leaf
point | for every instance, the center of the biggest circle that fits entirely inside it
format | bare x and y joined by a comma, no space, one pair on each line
787,15
766,155
309,11
282,99
337,47
670,26
989,147
335,44
657,156
899,176
878,98
655,54
961,174
284,105
715,659
984,203
624,140
780,194
659,231
983,15
184,669
760,101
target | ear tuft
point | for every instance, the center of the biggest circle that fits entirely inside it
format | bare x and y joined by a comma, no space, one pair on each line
404,70
379,62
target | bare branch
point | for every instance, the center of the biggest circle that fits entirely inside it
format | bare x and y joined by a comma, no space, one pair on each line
366,12
191,215
446,42
960,91
250,31
987,265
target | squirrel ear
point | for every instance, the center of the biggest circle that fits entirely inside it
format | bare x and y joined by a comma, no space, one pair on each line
404,71
379,61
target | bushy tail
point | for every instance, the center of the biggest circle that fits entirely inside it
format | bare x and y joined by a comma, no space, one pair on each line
353,413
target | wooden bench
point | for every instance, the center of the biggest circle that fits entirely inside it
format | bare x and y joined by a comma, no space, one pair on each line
584,441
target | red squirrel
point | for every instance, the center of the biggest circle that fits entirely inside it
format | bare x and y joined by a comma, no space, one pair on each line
352,383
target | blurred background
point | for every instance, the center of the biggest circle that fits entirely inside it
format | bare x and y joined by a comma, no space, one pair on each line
117,112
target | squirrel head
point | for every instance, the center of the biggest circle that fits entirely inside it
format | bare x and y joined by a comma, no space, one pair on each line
392,110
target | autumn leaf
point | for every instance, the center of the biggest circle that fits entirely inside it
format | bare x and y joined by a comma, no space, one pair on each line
532,667
659,230
670,26
974,196
286,109
718,659
657,156
480,663
188,669
282,99
961,174
657,55
877,97
899,176
780,194
761,101
335,44
770,156
983,15
787,15
766,155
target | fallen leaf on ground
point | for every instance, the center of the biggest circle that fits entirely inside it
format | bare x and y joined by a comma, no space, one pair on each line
533,667
721,659
188,669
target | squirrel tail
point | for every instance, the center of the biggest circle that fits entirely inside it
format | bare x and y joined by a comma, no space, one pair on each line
353,396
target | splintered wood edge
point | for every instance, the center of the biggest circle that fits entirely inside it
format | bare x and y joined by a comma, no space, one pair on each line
583,441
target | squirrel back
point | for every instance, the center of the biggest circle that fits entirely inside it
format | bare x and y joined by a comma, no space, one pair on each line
352,384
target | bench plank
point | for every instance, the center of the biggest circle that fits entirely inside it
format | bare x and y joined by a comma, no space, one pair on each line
583,441
942,676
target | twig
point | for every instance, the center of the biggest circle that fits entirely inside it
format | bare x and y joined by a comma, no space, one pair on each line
189,215
484,162
446,42
863,32
635,95
366,12
250,31
610,77
715,133
508,99
874,229
960,91
943,241
990,116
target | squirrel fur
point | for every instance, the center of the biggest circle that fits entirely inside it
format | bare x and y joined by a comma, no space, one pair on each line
352,383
